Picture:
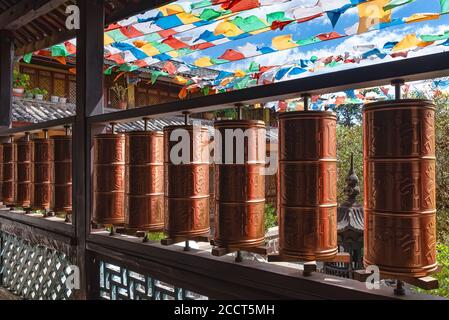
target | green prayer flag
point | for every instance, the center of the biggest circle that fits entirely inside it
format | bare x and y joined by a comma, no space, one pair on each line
27,57
210,14
249,24
396,3
108,71
444,6
254,67
206,91
59,50
431,37
276,16
201,4
156,74
308,41
128,67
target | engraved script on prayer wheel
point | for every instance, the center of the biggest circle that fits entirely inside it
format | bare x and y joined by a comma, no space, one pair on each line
8,174
240,183
62,174
308,185
187,183
22,172
144,183
109,179
41,173
399,171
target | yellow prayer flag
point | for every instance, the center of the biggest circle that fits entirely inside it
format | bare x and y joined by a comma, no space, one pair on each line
181,80
108,39
170,9
187,18
203,62
240,73
139,43
284,42
372,13
149,50
418,17
227,29
409,41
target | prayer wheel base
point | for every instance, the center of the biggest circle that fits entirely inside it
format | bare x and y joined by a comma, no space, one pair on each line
327,256
177,239
403,273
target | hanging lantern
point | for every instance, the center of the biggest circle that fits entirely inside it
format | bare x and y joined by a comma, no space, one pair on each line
187,183
22,172
109,179
240,183
399,202
144,195
8,174
308,185
41,172
62,174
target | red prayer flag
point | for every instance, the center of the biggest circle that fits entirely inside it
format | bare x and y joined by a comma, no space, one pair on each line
232,55
174,43
240,5
130,32
169,68
328,36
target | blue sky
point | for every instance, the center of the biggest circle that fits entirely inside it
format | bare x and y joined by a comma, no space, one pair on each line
337,46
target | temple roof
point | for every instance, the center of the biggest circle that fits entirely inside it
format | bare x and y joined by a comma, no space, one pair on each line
350,218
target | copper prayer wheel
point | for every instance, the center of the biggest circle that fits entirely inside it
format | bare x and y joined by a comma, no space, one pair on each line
187,183
22,172
399,202
41,173
144,183
109,179
62,174
308,185
8,174
240,184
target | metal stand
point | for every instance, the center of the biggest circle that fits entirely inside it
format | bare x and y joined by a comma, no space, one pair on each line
136,232
220,251
169,241
311,266
426,283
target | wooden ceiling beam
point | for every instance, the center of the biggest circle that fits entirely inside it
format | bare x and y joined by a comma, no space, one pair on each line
26,11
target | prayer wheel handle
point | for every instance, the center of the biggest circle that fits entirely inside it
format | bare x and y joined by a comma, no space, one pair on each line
45,131
113,124
67,129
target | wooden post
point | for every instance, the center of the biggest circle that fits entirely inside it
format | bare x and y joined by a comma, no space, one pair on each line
89,101
6,67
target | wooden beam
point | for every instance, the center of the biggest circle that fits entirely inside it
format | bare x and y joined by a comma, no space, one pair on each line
48,41
89,101
26,11
6,76
419,68
134,7
222,278
35,127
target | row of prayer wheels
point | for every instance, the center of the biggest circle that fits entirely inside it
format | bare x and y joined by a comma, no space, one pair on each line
36,173
138,184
